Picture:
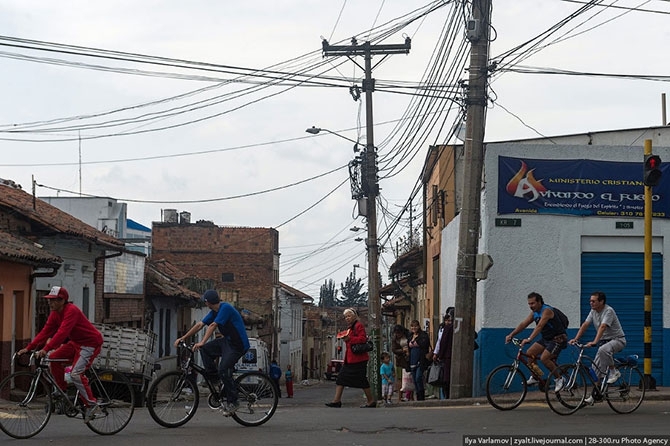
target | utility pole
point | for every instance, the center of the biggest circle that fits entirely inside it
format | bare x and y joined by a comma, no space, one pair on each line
370,188
477,31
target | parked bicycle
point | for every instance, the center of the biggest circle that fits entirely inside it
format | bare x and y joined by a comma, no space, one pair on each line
173,398
28,398
507,386
624,395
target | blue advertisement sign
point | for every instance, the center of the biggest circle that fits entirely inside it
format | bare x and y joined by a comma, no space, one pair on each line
577,187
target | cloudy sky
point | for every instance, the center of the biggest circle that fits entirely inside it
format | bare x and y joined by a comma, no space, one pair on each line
202,106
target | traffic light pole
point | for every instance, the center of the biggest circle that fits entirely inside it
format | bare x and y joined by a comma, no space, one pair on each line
370,190
648,191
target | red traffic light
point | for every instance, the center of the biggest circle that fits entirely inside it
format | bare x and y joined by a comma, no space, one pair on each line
652,170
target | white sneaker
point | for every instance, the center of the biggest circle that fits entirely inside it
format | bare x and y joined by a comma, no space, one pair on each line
613,376
531,381
90,412
560,382
230,408
588,401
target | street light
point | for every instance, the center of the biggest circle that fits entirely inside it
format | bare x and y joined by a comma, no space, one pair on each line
367,202
316,130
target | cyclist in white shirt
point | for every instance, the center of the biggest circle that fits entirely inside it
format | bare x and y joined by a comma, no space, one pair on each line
610,338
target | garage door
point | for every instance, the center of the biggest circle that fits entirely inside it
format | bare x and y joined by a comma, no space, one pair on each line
621,277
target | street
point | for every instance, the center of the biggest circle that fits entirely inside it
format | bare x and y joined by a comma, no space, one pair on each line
304,420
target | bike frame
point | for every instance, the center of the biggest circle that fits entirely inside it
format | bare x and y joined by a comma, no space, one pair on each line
523,358
43,371
189,365
601,389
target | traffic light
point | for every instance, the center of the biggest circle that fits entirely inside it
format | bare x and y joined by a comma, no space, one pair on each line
652,170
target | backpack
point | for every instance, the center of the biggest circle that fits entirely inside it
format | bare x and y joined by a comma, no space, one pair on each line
562,317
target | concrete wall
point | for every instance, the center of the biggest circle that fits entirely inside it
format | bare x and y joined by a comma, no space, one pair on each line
544,254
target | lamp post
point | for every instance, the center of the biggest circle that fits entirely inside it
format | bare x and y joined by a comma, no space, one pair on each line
369,192
357,266
316,130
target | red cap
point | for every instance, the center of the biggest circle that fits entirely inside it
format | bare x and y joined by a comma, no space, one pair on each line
58,292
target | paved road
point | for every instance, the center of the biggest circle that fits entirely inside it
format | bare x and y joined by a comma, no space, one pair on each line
304,421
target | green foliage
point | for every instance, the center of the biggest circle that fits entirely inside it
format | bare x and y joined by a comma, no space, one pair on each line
351,292
328,294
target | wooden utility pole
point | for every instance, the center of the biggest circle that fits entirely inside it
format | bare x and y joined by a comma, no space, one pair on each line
477,31
370,188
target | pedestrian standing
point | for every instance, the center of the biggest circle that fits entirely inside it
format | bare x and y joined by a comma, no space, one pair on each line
288,376
275,374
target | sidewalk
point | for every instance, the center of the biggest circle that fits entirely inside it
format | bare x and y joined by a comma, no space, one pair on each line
320,392
533,395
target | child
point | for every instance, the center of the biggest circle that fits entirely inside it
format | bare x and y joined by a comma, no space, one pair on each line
386,372
407,389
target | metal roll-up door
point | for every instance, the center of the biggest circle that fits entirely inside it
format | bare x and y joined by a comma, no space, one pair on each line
620,275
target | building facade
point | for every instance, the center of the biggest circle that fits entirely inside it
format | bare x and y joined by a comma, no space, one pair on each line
241,263
564,217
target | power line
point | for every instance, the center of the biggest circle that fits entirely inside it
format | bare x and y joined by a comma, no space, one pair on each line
206,200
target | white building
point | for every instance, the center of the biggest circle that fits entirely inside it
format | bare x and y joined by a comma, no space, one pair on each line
563,216
290,316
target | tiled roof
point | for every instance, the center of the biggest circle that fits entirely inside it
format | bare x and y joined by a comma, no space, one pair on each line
19,250
164,279
53,218
296,292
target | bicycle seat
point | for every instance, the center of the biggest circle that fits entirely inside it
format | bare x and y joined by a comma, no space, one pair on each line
630,360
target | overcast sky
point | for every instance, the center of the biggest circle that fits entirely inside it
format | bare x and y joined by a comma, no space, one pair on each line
195,131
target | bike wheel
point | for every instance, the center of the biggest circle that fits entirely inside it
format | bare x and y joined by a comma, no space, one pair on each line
506,387
25,405
258,399
116,402
172,399
569,398
627,393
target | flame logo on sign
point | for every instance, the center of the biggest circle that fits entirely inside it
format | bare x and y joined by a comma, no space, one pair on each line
524,184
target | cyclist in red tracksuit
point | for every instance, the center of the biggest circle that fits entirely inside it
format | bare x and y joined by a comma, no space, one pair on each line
68,334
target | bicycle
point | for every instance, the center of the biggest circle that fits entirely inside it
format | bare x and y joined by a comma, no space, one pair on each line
28,398
624,395
506,385
173,398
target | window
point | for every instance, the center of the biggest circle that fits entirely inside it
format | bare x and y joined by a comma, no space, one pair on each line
227,277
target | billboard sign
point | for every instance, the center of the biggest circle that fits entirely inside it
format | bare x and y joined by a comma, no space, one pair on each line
577,187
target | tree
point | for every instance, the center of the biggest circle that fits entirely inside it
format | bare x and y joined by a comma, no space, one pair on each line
328,294
351,292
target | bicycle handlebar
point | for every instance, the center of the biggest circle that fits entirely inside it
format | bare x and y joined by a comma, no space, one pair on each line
516,341
35,360
183,344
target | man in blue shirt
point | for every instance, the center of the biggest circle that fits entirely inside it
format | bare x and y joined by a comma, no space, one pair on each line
554,337
275,374
229,347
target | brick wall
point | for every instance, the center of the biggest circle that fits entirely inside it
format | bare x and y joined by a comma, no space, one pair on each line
234,258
